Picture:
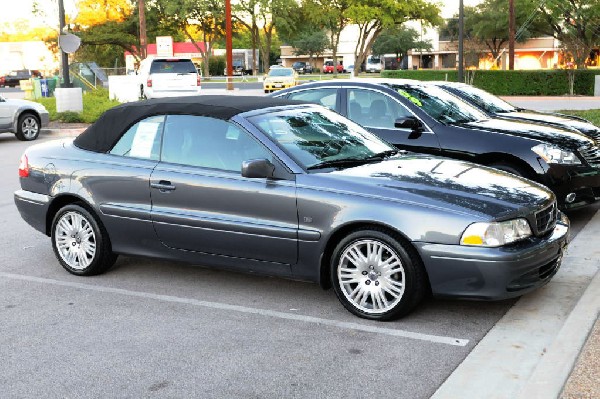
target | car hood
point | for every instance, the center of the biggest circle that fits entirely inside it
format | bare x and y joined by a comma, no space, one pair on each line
443,183
278,78
553,119
549,134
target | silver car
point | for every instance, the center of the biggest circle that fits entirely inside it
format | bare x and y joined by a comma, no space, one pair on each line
23,118
282,188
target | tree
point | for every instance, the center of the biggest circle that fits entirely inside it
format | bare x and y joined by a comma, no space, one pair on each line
199,20
575,23
373,16
489,24
245,13
96,12
312,43
331,15
272,13
398,40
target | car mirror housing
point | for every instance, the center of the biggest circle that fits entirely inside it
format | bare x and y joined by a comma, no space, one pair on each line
258,169
409,122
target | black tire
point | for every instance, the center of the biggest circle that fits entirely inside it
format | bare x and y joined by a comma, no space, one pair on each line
28,127
142,94
376,279
103,257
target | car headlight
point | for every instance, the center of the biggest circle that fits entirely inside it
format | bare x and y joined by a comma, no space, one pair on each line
496,234
552,154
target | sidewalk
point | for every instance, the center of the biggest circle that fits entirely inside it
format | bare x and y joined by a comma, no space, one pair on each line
539,344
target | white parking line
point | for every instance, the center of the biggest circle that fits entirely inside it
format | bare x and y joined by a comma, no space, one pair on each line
243,309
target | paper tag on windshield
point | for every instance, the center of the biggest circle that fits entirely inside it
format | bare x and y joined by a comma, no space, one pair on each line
144,139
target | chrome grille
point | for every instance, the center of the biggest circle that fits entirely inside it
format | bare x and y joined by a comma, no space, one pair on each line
545,219
595,135
591,154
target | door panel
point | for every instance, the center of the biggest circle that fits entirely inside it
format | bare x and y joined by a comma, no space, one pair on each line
200,201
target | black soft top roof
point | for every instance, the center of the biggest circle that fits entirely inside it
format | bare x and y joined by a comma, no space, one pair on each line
106,131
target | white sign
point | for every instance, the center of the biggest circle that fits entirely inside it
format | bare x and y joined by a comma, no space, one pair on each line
164,46
144,139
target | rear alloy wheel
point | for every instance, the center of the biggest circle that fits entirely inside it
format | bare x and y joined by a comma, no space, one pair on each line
376,276
28,127
80,243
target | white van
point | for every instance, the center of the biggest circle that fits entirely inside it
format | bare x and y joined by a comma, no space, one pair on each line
373,64
168,77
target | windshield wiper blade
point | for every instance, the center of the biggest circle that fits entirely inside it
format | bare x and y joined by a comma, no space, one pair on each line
383,154
339,163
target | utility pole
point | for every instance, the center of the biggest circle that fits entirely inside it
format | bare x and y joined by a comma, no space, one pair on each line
64,57
461,38
143,37
228,44
511,34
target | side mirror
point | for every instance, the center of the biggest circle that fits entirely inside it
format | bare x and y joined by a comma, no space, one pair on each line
257,169
408,122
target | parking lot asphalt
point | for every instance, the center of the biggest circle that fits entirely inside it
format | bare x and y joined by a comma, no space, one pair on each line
157,329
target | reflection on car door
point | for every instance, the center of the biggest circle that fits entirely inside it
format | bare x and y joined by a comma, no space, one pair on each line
378,112
200,201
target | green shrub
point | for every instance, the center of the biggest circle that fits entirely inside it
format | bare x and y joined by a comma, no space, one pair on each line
216,65
94,104
512,83
592,115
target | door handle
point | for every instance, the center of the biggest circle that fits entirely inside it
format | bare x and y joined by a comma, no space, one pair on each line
163,186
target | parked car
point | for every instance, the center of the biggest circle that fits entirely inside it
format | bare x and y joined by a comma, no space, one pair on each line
283,188
421,117
168,77
14,77
280,78
302,67
328,67
23,118
496,107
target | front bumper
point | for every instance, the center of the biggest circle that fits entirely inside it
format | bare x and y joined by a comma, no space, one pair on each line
494,273
277,86
33,208
583,181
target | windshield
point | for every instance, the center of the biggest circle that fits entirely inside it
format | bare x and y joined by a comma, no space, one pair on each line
439,104
485,100
316,136
281,72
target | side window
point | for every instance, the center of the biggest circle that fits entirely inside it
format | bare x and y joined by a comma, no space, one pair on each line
324,97
141,140
374,109
208,143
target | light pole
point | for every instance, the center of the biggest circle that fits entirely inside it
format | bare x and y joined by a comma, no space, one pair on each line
228,49
143,38
461,34
63,55
511,34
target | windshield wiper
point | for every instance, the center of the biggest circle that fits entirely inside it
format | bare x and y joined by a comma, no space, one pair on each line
339,163
383,154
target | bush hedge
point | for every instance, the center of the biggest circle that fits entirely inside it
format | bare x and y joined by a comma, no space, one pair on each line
511,83
94,104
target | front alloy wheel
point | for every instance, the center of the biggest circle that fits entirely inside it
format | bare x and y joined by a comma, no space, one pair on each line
376,276
80,242
28,128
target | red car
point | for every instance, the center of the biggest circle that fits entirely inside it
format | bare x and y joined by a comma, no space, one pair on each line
328,67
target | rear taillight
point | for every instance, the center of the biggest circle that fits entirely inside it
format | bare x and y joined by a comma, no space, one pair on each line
24,166
198,80
149,82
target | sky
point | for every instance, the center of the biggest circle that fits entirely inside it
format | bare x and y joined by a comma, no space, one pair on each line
23,9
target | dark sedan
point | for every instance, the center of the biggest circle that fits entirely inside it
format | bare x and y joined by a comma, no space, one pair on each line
423,118
496,107
289,189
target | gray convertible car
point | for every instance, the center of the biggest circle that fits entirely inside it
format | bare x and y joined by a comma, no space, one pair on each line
289,189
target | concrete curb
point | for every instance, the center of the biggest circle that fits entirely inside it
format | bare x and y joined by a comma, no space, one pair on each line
552,322
551,374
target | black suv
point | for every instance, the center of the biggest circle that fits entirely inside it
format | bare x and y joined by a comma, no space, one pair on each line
496,107
13,78
421,117
302,67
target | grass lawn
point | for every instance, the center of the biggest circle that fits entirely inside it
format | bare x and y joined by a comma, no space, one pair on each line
592,115
94,104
